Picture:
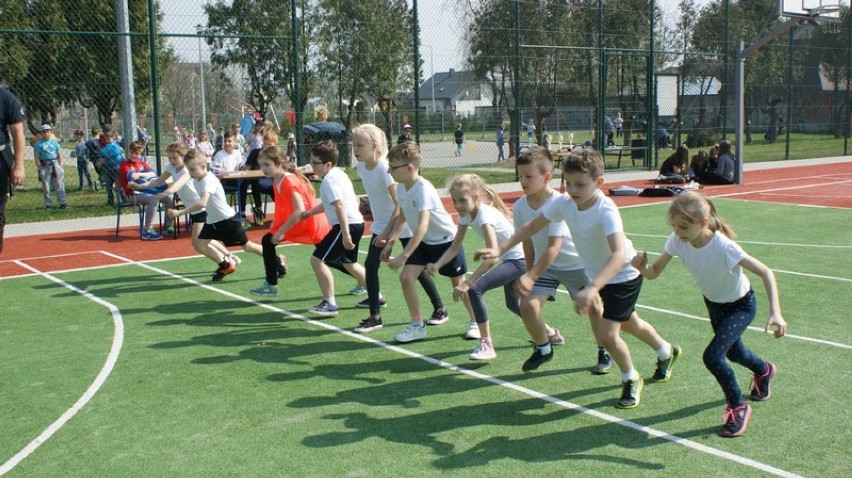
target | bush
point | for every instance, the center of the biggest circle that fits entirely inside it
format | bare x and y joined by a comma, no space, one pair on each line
702,137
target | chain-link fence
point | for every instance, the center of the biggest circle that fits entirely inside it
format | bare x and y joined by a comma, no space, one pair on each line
631,77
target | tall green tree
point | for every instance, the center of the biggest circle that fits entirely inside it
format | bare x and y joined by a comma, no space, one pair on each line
748,20
17,55
265,61
44,87
365,47
545,73
92,61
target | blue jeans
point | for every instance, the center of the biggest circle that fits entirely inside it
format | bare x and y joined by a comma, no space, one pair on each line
729,321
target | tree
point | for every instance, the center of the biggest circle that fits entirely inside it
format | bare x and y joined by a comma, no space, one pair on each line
545,73
92,59
261,46
43,87
366,48
749,21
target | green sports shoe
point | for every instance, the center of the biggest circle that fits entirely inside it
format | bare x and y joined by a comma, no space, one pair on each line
664,367
604,365
631,392
265,290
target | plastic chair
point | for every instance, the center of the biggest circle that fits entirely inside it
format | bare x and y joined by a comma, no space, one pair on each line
121,202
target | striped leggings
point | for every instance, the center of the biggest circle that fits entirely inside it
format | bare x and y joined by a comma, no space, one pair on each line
504,274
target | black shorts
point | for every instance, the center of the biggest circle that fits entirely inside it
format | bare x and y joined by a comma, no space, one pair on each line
230,232
331,251
198,218
426,253
619,300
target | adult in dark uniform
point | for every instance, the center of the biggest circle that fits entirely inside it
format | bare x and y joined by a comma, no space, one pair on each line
12,151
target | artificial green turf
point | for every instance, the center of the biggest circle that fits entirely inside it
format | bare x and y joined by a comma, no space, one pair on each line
210,385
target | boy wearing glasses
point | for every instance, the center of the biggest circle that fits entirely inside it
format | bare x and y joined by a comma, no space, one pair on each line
339,248
432,231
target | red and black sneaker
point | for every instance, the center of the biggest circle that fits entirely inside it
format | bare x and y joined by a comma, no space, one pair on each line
222,272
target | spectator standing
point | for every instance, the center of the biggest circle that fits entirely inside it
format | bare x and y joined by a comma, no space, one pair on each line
530,132
80,153
49,160
406,134
458,138
619,124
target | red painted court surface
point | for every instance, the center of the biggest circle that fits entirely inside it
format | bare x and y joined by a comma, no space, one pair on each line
827,185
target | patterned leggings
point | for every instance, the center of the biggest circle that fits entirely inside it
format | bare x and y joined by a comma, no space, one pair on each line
504,274
729,321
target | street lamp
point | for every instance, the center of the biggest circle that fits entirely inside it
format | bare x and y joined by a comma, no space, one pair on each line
432,72
201,30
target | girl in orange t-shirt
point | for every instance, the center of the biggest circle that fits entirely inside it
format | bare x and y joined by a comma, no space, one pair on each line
293,194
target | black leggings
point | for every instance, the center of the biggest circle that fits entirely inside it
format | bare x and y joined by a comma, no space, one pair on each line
371,267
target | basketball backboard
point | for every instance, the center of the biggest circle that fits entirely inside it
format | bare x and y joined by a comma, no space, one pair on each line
828,9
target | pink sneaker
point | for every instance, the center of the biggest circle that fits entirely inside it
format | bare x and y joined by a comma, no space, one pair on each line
485,351
556,338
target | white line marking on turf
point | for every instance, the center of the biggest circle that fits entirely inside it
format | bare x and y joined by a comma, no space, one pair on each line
496,381
112,358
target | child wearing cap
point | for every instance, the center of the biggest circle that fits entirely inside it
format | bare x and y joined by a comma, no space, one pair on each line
406,134
49,160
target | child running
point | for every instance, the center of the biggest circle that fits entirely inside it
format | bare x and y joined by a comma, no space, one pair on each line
705,243
432,231
481,209
184,187
222,222
340,245
370,146
293,195
551,260
596,228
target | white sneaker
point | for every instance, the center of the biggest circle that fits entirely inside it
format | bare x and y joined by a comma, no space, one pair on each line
472,331
485,351
413,331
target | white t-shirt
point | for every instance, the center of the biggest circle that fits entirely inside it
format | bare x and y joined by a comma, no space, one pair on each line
226,163
589,229
567,259
376,184
187,193
336,186
218,208
503,229
423,197
714,266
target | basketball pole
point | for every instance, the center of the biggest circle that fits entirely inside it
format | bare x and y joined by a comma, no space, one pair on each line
742,54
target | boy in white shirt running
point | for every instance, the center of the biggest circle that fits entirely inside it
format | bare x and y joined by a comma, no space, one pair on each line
339,248
596,227
432,231
551,260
